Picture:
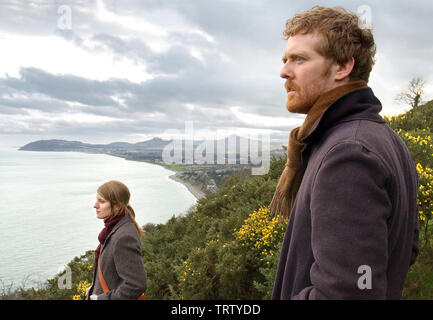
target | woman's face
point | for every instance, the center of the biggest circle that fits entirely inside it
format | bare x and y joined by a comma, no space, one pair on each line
102,206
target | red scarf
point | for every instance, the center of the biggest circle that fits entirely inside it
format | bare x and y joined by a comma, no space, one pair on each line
109,225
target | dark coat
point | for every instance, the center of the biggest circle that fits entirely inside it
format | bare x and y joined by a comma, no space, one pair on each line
356,207
121,264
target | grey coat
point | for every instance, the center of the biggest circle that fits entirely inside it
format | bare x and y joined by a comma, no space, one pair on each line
353,229
121,264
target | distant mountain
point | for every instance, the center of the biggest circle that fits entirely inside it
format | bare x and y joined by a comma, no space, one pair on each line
150,150
156,143
63,145
149,145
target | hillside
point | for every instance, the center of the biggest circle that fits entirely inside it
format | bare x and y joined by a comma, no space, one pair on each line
416,120
227,246
415,128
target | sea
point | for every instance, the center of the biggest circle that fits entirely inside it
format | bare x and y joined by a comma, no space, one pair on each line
46,208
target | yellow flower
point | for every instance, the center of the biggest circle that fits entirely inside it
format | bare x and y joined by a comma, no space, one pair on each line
259,229
82,287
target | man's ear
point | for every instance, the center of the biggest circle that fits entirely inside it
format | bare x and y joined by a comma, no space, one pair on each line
344,70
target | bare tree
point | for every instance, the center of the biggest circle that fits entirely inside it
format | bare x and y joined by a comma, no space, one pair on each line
413,94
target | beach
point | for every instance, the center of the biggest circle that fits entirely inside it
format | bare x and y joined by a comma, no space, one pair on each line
196,192
193,189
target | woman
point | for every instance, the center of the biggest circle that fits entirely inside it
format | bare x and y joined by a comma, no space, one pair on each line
118,268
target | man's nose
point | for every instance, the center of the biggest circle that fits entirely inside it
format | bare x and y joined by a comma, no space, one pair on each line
95,205
286,71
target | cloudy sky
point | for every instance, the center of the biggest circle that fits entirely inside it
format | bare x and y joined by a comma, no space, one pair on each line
100,71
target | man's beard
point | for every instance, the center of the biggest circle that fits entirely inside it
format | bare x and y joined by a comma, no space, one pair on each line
303,99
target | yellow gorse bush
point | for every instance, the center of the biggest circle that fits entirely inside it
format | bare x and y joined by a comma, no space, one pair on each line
425,192
187,270
422,148
261,231
421,141
415,128
81,290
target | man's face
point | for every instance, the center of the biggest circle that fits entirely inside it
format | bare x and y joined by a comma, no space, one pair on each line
308,74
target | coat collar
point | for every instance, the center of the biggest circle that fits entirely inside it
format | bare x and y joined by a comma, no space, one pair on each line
124,220
359,104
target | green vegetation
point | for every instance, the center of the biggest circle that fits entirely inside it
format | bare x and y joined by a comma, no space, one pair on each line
227,246
205,254
415,128
176,167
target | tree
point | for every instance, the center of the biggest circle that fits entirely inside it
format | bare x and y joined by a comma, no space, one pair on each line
413,94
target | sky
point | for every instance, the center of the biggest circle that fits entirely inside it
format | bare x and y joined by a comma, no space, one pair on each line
101,71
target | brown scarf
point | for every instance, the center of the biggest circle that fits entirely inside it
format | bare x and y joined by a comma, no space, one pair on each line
291,178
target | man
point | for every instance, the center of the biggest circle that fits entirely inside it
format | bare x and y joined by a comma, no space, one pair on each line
350,184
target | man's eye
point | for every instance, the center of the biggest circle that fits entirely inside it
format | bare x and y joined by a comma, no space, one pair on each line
298,59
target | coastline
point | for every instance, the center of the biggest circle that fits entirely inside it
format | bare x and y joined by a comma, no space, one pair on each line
196,192
193,189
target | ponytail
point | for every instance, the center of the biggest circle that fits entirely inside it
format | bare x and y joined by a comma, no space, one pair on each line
131,213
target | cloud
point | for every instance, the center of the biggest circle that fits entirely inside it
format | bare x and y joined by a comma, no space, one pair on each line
134,69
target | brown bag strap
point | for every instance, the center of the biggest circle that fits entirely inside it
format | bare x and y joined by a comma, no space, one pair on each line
142,297
101,279
105,286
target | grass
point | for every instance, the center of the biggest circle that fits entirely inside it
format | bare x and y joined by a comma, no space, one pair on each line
419,281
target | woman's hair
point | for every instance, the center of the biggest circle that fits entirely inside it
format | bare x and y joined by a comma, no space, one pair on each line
118,195
342,37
